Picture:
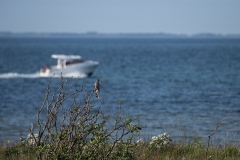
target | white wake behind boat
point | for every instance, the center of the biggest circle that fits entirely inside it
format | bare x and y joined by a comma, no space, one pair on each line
69,66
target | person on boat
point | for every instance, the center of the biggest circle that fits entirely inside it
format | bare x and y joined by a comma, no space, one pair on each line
45,68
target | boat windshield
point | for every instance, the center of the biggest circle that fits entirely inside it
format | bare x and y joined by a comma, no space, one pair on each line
73,61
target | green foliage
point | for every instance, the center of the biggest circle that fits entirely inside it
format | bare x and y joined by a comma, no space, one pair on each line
128,149
22,150
81,131
230,151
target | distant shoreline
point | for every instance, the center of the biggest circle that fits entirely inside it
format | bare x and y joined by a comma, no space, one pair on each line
113,35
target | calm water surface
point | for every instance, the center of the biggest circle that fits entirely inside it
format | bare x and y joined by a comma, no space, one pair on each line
179,86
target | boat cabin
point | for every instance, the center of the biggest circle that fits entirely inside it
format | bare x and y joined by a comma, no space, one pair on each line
64,60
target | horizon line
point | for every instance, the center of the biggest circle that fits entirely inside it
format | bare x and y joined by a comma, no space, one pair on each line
111,35
119,33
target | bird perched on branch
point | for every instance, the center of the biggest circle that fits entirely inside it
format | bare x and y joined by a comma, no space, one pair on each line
97,88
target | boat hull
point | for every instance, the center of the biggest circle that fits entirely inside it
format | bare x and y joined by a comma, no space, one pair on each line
74,70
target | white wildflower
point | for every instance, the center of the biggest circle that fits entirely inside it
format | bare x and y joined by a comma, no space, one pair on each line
9,141
31,140
140,141
160,141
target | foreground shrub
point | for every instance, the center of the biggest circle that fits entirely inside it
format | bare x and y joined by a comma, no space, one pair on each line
78,129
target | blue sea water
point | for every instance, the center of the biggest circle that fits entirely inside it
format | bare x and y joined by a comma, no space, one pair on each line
181,86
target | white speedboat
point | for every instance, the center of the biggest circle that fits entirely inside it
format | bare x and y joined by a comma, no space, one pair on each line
69,66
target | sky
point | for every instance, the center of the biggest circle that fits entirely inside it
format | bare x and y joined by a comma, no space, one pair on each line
121,16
